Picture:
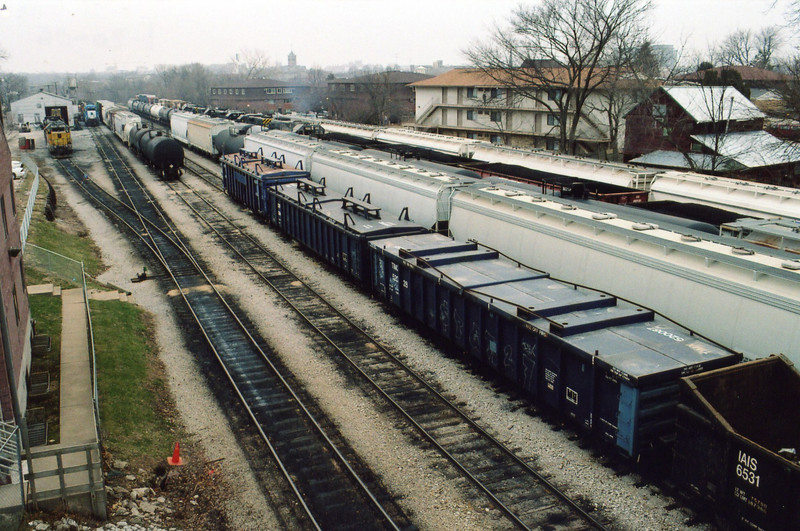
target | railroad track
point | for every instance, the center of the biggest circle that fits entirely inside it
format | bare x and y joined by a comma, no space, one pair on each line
201,171
525,497
315,461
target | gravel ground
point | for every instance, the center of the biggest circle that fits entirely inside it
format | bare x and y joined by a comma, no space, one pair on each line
420,479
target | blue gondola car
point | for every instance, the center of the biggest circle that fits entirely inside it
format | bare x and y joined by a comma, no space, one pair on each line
337,227
247,177
610,366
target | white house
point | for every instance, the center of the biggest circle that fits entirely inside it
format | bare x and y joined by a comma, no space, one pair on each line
33,109
467,103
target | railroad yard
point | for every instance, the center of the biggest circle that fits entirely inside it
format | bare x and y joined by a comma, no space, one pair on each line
413,479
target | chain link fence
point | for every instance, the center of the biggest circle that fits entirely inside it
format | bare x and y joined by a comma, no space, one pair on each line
58,265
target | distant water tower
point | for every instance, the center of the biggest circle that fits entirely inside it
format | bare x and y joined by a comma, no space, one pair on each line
292,59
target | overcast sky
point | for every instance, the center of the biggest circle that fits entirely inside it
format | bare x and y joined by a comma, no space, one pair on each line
85,35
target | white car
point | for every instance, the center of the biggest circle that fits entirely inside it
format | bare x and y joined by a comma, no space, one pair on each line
17,169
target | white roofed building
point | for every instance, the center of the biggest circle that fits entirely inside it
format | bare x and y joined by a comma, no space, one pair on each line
34,108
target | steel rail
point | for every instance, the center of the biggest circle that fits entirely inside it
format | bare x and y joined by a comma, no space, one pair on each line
409,416
336,451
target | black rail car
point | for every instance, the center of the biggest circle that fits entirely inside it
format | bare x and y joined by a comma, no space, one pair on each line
161,152
737,443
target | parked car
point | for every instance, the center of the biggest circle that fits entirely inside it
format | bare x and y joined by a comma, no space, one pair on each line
17,169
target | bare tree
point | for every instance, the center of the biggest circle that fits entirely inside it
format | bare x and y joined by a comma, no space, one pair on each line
748,48
791,91
640,71
559,52
253,64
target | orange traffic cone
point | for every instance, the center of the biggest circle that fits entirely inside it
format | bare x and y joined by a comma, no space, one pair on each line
175,460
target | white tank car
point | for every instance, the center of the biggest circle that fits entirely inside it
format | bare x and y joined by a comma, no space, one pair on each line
745,299
391,184
154,111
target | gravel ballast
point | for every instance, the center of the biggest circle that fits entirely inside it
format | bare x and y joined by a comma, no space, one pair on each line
421,480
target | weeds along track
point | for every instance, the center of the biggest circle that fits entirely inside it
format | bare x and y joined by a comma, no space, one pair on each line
315,461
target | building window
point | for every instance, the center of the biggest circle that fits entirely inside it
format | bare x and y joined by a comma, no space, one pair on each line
696,147
470,115
496,139
13,199
554,95
352,87
666,131
3,214
472,136
288,91
20,118
659,111
16,302
551,144
495,116
472,92
494,93
553,119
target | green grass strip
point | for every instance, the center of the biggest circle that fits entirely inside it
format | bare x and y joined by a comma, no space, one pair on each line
130,384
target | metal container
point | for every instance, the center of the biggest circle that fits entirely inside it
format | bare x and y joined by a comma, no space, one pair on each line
737,444
179,126
231,140
201,131
154,111
609,366
248,178
337,227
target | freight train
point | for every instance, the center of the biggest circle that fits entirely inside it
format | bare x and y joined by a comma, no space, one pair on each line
751,293
609,366
210,136
159,151
745,197
617,371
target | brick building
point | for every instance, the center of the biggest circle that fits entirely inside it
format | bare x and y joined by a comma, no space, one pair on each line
15,322
711,130
261,95
376,99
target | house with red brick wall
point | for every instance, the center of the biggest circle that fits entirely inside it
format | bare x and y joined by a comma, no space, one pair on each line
708,129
